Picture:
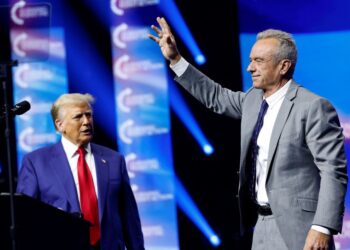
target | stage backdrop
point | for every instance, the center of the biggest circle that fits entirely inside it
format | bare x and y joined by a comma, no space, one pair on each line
322,33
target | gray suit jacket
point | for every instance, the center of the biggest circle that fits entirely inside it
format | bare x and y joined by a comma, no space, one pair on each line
307,177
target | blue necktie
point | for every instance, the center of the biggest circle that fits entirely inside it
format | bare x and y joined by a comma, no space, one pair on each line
254,149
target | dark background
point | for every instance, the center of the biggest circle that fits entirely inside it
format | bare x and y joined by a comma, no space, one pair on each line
210,180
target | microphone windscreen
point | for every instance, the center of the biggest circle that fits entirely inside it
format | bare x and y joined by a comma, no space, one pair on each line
21,107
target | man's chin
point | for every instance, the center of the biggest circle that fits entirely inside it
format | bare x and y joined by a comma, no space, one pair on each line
86,139
257,85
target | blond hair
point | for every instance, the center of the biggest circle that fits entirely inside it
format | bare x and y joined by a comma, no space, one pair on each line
68,100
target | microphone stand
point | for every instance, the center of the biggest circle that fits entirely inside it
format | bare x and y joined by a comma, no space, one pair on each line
4,68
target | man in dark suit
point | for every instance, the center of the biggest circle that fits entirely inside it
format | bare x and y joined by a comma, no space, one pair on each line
293,176
78,176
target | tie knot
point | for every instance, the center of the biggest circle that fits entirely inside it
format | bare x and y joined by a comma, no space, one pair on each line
264,104
81,151
263,108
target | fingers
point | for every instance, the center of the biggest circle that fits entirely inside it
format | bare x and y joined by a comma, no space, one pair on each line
163,24
154,38
159,33
164,34
156,29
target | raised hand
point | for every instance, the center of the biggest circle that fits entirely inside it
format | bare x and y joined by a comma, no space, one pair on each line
166,41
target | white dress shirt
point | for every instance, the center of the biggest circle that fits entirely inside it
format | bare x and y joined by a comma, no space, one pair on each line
180,67
274,101
72,155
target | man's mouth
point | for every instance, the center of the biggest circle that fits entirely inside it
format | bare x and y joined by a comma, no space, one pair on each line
87,131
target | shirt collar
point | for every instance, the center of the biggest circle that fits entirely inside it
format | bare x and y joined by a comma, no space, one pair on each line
71,149
275,97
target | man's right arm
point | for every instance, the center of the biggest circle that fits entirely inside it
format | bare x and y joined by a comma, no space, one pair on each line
207,91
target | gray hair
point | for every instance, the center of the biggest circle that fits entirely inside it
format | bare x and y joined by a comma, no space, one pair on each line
288,48
69,99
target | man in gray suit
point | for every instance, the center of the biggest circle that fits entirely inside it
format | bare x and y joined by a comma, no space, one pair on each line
293,176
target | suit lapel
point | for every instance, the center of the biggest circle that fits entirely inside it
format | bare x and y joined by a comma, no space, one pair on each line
281,119
60,165
102,169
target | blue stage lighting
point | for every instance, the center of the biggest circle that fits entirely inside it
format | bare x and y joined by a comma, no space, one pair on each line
173,14
180,108
187,205
208,149
215,240
101,11
200,59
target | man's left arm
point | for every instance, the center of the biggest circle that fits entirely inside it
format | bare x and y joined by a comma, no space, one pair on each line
325,140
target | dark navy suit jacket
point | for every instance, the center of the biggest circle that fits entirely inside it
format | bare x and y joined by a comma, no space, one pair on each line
46,175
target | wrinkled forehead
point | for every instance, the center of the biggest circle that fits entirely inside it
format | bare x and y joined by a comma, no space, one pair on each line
264,48
74,109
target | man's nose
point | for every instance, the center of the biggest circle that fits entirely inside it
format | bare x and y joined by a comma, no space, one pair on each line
251,67
86,119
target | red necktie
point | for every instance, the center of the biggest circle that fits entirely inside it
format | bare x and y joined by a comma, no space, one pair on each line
88,199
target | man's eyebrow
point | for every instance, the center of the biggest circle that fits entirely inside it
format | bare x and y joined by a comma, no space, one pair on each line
82,113
256,57
77,114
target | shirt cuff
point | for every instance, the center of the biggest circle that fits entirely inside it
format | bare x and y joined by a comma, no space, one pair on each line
180,67
321,229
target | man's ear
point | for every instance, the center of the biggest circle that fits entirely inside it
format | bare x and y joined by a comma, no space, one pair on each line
59,125
285,66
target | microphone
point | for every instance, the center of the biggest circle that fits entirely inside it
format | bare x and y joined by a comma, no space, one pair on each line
20,108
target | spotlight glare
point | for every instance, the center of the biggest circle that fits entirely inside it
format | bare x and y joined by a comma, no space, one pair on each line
208,149
187,205
172,12
215,240
182,111
200,59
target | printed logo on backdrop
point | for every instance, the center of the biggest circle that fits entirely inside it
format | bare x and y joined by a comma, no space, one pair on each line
124,66
30,14
118,6
30,31
123,34
27,75
129,130
29,139
135,165
126,100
